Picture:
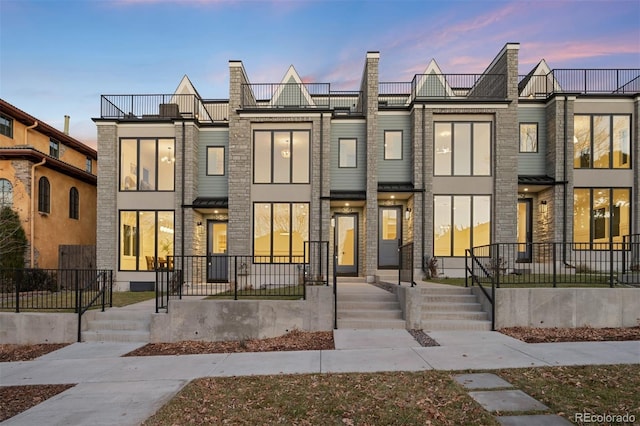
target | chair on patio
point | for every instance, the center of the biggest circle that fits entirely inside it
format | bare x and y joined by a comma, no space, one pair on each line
151,263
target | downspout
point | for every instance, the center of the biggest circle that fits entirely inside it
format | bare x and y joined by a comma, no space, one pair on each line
564,183
33,200
183,198
321,177
424,193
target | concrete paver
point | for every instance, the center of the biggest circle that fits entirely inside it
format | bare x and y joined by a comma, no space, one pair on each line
373,339
266,363
92,350
372,360
477,357
507,400
481,381
533,420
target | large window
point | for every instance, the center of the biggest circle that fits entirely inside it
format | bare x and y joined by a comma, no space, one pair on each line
44,195
6,126
347,150
281,156
6,193
279,231
393,144
460,222
147,164
74,203
146,240
528,137
215,160
601,215
602,142
462,149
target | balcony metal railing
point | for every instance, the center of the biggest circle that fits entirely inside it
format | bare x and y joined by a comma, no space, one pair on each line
149,107
581,81
293,96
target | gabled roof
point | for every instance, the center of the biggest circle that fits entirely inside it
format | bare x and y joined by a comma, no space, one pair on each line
291,91
532,87
432,83
187,88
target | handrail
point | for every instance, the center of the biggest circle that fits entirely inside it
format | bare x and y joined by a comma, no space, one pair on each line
474,279
101,278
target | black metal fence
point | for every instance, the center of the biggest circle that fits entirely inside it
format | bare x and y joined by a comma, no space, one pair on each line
405,262
243,277
161,106
554,264
54,289
584,81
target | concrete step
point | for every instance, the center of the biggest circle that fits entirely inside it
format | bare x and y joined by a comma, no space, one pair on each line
446,307
471,325
449,298
454,315
370,314
116,336
122,314
344,305
100,325
371,324
445,290
366,297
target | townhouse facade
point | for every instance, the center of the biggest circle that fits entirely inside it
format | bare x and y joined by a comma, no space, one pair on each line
445,162
50,179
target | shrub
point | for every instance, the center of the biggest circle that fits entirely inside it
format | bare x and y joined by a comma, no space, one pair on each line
13,241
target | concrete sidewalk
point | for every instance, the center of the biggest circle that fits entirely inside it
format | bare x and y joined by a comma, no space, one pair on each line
112,390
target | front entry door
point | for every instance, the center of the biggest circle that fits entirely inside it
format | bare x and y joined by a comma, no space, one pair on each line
346,235
217,260
389,236
525,230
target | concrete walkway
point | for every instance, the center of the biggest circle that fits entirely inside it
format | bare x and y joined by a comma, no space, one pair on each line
112,390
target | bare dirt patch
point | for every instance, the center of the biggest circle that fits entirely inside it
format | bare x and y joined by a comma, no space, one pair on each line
11,353
582,334
16,399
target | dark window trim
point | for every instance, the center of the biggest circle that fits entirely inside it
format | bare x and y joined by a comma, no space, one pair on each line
5,192
355,166
520,137
54,148
136,248
253,225
472,123
451,217
88,165
384,145
157,163
44,195
591,142
224,160
273,131
9,126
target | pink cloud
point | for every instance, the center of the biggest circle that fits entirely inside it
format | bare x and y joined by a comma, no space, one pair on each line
532,53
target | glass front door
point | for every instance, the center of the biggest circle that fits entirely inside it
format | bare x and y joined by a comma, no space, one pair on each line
346,235
217,260
389,237
525,230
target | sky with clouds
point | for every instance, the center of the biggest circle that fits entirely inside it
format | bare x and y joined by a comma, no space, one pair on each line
58,56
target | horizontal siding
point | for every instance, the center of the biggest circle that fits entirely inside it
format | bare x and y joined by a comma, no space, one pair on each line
395,170
533,163
213,186
352,179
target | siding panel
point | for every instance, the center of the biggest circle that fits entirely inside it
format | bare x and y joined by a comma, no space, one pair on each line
530,163
395,170
352,179
213,186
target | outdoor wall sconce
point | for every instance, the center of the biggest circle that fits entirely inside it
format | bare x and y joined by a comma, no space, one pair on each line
333,222
407,213
543,206
199,224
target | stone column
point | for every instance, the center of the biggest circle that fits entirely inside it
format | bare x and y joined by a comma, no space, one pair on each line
370,89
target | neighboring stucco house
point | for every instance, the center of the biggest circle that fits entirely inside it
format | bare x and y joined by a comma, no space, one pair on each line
446,161
49,178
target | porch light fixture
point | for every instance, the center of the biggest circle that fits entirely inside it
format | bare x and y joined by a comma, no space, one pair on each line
407,213
543,206
333,222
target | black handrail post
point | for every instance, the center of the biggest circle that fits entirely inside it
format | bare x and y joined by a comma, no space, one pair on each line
235,278
16,279
111,288
466,267
77,292
102,278
553,256
611,264
335,284
157,293
400,265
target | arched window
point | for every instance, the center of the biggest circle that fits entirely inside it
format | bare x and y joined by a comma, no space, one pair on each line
6,193
44,195
74,203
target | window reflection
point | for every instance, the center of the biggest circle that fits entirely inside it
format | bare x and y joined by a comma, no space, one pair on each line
146,240
279,231
460,222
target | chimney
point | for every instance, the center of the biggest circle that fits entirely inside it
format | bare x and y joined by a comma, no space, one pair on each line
66,125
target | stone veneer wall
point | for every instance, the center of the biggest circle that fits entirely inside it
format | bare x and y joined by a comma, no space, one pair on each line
370,84
107,219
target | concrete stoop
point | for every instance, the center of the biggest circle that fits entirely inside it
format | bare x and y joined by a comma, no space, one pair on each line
116,325
452,309
364,306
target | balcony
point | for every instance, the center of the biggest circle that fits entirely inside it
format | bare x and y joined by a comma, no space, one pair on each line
300,96
580,81
429,87
163,107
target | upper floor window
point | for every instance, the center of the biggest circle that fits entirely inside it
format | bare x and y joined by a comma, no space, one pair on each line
215,161
281,156
44,195
6,126
147,164
462,148
74,203
602,141
54,148
528,137
6,193
393,144
88,165
347,151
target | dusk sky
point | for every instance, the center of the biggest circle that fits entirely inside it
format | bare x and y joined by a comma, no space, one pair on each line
58,56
